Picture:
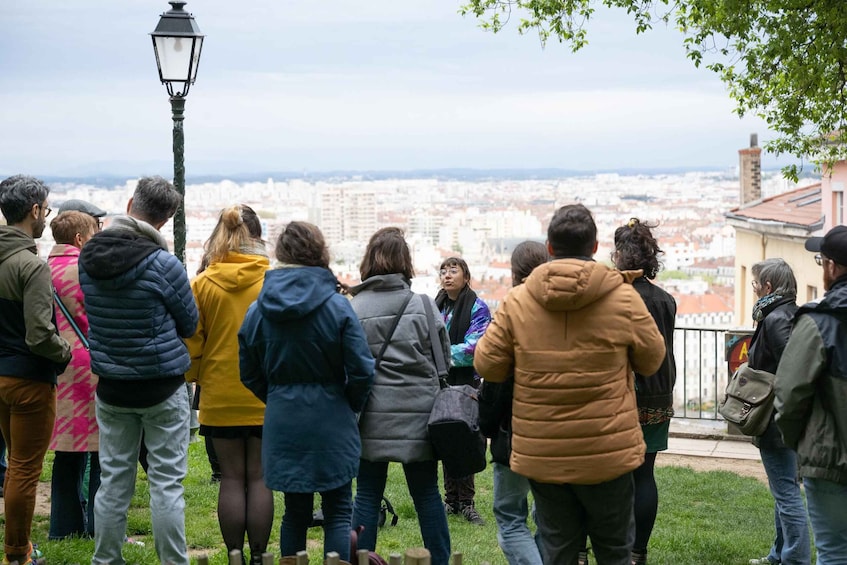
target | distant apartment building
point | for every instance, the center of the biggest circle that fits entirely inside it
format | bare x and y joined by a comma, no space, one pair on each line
347,213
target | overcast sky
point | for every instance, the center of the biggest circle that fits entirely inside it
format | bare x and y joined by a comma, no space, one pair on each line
321,85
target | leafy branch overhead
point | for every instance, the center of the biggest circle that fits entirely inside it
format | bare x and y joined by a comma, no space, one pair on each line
782,60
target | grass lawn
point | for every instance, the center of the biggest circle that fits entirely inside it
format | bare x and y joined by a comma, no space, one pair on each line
711,518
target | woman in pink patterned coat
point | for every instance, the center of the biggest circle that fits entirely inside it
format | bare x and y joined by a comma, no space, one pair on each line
75,437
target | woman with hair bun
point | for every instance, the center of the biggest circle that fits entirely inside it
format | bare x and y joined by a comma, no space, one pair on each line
637,249
304,353
234,265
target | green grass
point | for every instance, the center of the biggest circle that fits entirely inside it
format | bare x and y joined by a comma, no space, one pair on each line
712,518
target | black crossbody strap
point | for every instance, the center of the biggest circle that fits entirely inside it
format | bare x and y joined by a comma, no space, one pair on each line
70,319
394,323
435,342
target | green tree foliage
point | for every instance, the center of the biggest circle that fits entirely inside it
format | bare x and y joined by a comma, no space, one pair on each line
783,60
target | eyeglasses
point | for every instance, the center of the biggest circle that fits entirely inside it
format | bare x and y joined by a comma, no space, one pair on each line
756,284
450,271
99,225
46,209
819,259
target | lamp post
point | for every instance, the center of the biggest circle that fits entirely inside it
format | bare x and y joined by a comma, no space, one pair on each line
177,42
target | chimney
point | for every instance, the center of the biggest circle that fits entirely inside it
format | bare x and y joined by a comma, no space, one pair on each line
750,171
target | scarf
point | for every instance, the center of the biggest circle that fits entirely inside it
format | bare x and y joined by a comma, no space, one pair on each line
761,307
462,306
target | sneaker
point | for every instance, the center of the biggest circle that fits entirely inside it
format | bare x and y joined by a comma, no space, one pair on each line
472,516
582,559
763,561
451,509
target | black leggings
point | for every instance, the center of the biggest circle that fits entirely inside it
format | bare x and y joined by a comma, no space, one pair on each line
646,502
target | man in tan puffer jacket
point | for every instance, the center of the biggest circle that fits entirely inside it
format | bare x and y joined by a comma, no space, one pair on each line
572,335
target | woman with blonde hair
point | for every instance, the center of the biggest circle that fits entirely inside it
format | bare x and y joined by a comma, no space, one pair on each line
235,263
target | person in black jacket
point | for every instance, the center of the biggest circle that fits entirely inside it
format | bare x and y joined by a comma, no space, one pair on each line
636,248
776,289
495,420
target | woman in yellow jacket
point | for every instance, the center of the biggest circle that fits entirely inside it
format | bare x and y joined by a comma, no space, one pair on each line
235,262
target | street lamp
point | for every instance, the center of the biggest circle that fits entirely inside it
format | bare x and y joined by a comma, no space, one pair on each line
177,42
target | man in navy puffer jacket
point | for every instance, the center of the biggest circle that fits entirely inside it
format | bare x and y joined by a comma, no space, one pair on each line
140,307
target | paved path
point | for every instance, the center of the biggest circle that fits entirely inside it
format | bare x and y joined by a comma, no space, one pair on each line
724,448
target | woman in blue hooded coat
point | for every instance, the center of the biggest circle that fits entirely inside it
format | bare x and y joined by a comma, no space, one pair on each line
305,355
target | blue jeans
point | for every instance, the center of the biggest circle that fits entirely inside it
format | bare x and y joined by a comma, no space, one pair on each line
337,506
71,514
827,501
791,545
422,480
567,512
511,512
165,428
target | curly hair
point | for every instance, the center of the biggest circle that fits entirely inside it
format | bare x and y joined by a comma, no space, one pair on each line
302,243
636,248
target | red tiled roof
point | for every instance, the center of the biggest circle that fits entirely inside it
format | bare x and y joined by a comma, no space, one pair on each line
701,304
801,207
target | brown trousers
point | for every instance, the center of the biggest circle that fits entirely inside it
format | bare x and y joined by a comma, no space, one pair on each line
27,413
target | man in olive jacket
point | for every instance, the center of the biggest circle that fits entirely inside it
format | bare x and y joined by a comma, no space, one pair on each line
31,354
811,398
573,334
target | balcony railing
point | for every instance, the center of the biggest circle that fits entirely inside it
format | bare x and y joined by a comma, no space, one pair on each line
701,371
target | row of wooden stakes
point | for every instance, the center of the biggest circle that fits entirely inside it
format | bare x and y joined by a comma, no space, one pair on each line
414,556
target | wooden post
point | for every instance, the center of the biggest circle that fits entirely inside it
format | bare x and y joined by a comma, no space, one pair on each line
395,559
202,559
303,557
418,556
267,558
362,557
332,558
235,557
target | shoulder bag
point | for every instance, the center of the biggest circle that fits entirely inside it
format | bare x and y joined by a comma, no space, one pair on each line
454,421
749,400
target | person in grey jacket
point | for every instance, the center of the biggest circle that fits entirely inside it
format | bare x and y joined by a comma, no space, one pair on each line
140,308
393,424
811,399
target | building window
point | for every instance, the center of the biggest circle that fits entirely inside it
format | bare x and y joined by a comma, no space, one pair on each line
838,208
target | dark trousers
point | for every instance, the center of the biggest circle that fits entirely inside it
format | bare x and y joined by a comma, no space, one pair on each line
565,513
458,491
337,506
71,513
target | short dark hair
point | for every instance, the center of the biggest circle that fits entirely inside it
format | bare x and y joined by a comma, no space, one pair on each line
572,232
18,194
387,253
66,225
526,256
458,262
155,200
636,248
302,243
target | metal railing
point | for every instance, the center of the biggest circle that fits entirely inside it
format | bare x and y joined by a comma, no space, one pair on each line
701,371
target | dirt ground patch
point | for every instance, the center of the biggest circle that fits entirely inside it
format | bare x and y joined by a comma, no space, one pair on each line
744,467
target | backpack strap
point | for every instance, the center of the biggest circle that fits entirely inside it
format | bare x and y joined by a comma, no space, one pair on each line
70,319
441,367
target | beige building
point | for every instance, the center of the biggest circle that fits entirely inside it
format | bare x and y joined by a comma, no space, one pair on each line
779,226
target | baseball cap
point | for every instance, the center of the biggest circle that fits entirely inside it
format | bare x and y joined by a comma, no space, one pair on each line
82,206
832,245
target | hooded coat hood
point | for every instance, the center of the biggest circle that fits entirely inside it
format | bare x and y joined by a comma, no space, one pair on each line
292,292
573,284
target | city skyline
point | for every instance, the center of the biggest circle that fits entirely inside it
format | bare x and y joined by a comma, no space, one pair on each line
331,86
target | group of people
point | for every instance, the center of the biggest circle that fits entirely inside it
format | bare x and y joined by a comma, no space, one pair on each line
307,385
